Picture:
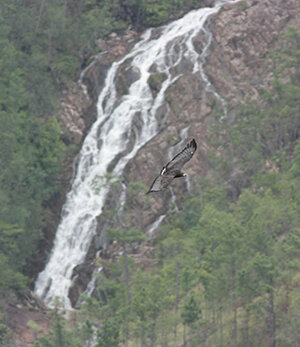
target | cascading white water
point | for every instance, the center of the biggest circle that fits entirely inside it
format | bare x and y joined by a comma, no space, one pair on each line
155,225
111,138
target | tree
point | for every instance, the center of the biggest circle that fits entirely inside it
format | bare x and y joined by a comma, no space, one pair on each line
126,237
190,314
58,336
109,333
151,297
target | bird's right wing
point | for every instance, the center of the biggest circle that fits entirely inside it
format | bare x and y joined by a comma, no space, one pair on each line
161,182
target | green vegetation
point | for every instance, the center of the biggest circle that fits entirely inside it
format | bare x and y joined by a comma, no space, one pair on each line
30,151
227,266
225,270
44,44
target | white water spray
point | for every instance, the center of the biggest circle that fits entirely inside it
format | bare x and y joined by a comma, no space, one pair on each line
115,138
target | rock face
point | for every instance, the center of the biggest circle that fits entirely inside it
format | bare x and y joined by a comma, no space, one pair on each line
243,34
79,102
27,320
75,103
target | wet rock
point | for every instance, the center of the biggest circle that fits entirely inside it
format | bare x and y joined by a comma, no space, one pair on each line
126,77
81,274
155,82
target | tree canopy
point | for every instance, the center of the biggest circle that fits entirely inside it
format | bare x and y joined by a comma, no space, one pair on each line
227,265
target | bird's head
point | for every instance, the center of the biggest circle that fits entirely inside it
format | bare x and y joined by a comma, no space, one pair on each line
180,174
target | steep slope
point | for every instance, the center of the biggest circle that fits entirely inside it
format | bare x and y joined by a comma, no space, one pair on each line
243,33
236,66
129,114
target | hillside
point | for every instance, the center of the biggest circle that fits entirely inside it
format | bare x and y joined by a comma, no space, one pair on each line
214,261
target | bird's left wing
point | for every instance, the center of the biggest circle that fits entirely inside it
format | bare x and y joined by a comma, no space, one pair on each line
183,157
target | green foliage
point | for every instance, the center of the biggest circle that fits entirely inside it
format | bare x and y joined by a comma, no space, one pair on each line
191,312
10,279
287,56
58,336
30,156
5,333
136,187
108,335
126,236
100,182
237,259
295,169
263,135
10,243
31,149
242,5
44,45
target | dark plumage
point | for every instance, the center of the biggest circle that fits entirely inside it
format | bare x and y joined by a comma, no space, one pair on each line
173,168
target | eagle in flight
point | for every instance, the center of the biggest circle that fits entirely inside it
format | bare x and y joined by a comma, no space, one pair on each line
173,168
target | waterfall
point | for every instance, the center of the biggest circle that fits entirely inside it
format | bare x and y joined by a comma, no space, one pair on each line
154,226
114,139
92,284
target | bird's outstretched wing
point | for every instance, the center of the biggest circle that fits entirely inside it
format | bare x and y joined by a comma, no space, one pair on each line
160,182
183,157
173,168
